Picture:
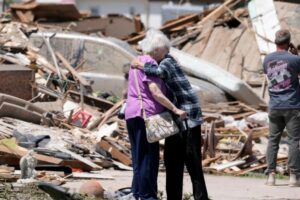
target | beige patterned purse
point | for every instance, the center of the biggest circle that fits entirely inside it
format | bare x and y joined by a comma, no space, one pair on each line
158,126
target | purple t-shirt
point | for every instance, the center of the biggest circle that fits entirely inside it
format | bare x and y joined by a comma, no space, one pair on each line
133,106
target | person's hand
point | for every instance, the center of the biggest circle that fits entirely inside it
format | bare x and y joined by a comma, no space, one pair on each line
181,113
293,49
137,64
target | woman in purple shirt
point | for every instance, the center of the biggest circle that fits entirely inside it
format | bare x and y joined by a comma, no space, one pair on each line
145,156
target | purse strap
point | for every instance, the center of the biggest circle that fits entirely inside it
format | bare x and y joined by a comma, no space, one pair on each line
139,93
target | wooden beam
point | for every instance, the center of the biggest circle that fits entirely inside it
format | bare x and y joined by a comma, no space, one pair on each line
218,12
168,26
108,113
116,153
20,152
75,74
25,16
261,166
80,158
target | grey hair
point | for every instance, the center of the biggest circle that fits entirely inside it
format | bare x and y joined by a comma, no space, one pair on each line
153,40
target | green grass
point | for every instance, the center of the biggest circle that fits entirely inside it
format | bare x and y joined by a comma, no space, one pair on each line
28,192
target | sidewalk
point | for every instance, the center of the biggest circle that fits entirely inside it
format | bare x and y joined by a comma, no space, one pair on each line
219,187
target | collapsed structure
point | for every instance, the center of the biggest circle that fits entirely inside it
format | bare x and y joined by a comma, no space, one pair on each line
50,100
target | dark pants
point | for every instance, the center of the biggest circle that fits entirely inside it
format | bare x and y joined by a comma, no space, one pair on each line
145,161
179,150
280,119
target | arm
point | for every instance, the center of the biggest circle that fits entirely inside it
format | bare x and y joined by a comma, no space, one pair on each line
293,49
163,100
151,69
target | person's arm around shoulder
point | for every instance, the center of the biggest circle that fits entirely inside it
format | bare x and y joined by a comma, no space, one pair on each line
151,69
163,100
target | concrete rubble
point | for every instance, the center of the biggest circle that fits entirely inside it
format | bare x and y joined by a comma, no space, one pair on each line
63,104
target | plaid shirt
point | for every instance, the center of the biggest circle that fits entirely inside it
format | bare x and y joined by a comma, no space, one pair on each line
184,96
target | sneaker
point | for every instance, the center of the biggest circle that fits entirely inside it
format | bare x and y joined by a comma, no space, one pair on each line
271,179
294,180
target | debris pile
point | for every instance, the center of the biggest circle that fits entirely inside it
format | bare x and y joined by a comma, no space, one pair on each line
48,107
235,139
61,120
61,17
226,37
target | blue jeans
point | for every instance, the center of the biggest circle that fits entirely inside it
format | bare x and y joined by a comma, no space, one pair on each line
280,119
145,161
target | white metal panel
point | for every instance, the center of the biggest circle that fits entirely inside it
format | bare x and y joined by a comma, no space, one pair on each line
265,23
202,69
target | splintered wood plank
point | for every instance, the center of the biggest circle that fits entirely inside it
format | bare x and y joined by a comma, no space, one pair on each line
220,10
116,153
261,166
25,17
171,25
260,132
75,74
19,152
108,113
228,165
80,158
206,162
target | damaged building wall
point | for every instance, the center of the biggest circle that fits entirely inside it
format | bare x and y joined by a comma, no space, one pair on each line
233,49
150,13
289,18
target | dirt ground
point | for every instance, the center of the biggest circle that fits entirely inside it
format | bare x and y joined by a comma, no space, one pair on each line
219,187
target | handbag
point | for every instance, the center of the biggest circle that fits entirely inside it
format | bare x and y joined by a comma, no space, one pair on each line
159,126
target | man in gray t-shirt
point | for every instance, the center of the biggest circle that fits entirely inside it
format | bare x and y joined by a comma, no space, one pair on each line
282,69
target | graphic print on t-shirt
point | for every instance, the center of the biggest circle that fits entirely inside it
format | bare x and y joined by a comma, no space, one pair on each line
279,76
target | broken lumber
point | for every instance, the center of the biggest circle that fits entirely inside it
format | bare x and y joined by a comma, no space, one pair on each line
261,166
214,15
110,112
206,162
115,152
174,24
80,158
9,146
228,165
75,74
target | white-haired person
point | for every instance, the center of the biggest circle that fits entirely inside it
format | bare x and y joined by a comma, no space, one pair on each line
184,148
151,91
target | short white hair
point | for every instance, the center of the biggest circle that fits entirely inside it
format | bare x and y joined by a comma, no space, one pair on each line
154,39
